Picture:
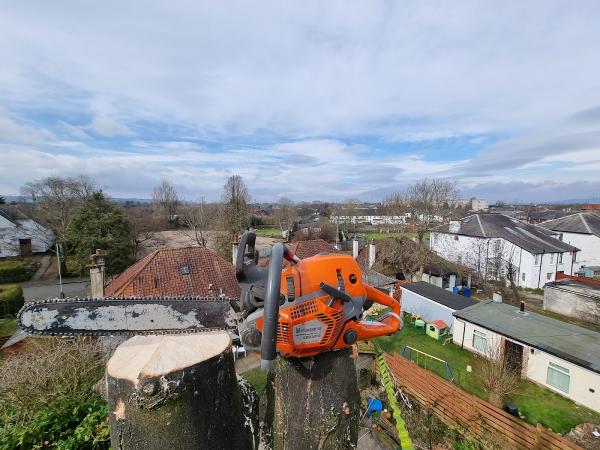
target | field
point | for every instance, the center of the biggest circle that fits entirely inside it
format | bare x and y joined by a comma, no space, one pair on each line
184,238
537,404
374,235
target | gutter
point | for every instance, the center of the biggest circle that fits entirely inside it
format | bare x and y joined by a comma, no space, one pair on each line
519,276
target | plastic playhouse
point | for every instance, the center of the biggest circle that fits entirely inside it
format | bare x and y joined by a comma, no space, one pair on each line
438,329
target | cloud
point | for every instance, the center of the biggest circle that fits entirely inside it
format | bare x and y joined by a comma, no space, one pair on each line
107,126
311,100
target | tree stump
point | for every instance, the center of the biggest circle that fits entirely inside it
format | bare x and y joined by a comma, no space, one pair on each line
314,403
179,391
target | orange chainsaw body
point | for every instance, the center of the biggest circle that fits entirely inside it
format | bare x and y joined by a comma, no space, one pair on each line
311,321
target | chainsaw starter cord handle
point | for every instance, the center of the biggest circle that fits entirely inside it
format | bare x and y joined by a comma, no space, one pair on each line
289,255
268,345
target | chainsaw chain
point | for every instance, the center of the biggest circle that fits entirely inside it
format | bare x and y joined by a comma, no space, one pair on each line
131,299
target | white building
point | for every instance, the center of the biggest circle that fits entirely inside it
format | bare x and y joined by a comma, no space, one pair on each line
22,236
479,204
498,246
371,219
557,355
581,230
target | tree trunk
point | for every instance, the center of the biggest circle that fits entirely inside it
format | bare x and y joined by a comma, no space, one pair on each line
179,391
314,403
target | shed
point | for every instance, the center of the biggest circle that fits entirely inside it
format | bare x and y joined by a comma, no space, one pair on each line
432,303
436,329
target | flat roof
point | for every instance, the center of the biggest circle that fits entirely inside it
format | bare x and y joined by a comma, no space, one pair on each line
577,345
439,295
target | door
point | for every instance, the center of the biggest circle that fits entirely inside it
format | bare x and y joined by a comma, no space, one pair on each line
25,247
513,354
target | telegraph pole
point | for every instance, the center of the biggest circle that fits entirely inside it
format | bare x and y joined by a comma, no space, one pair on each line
62,294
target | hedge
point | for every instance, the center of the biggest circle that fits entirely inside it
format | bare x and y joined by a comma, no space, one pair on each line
11,300
14,271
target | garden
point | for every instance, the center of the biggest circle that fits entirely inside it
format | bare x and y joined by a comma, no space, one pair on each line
536,403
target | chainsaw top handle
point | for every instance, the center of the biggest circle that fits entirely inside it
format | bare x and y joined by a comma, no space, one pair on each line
248,240
268,351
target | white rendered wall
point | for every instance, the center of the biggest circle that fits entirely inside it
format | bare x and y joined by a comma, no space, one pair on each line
589,245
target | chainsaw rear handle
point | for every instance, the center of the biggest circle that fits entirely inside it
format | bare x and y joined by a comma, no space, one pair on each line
247,239
268,345
388,324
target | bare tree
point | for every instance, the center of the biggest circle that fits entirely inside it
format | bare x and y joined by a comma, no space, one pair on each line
285,214
197,219
496,374
403,255
57,200
235,199
166,200
427,201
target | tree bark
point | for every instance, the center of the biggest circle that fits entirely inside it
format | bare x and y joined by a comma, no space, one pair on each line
314,403
179,391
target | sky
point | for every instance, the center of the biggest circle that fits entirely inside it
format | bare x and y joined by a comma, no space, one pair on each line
310,100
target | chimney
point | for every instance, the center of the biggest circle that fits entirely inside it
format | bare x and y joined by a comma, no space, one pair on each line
355,249
497,297
522,308
97,274
454,226
371,255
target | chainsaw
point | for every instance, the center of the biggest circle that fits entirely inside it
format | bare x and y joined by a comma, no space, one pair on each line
312,306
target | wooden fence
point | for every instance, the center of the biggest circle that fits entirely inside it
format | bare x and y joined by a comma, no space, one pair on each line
469,413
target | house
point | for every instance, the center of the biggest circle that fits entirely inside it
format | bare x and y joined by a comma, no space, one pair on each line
574,298
309,228
189,271
432,303
581,230
20,235
498,246
560,356
479,204
543,216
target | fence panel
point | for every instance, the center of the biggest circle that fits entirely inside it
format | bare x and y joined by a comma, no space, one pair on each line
467,412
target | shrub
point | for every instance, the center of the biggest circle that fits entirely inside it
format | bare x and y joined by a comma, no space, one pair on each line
11,300
14,271
46,396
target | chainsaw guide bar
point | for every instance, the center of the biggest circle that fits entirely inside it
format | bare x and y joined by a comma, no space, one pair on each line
126,316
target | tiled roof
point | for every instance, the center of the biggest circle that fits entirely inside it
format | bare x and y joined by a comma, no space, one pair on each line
585,223
186,271
532,238
306,249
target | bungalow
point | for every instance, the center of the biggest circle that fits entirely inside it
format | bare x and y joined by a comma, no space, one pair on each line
432,303
560,356
574,298
497,246
20,235
581,230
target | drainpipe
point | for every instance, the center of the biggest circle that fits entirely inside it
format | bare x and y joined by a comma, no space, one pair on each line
462,341
540,272
556,267
519,279
572,261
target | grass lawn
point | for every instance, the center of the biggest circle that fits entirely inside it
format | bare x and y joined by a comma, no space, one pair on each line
537,404
374,235
8,327
270,232
258,379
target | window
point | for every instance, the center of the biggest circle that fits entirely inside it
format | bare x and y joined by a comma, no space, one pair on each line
551,258
537,260
549,276
558,377
523,275
479,341
456,237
